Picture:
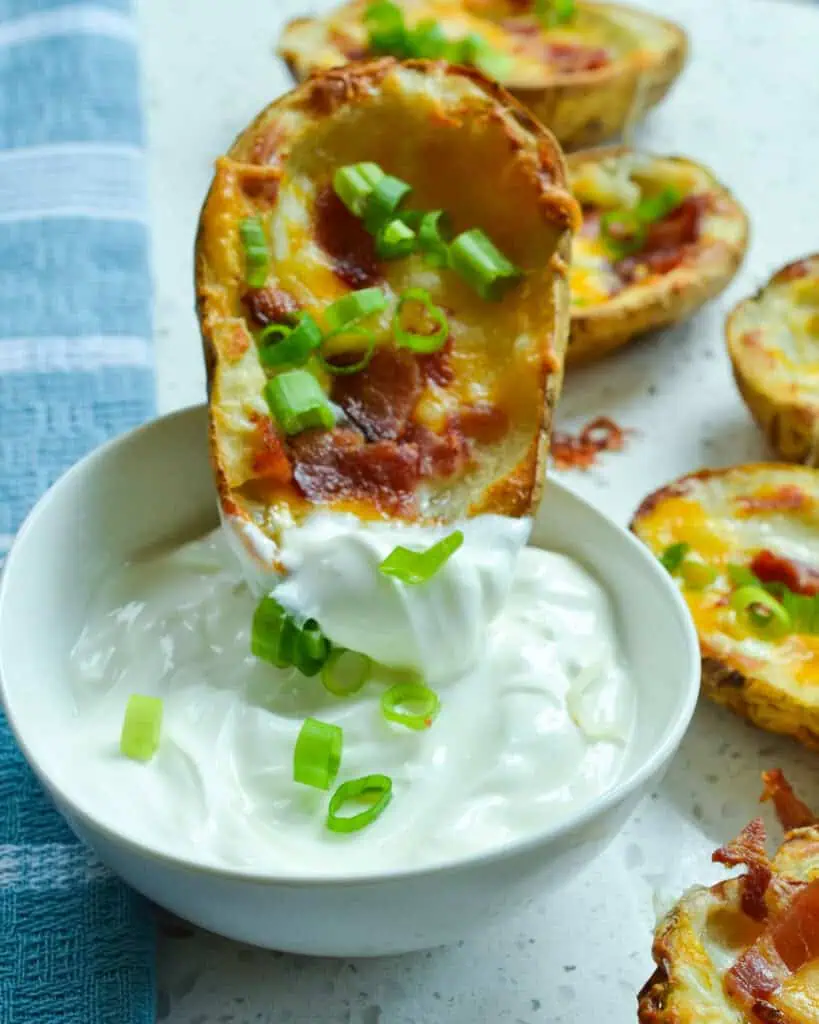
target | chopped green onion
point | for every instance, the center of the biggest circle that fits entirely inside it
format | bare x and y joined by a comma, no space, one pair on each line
427,342
276,638
383,201
386,28
345,672
481,264
622,231
554,12
434,234
394,240
803,610
297,402
411,704
375,790
415,567
697,574
141,727
671,558
317,753
354,183
314,645
741,576
474,49
766,616
345,369
427,40
257,254
289,346
354,306
656,207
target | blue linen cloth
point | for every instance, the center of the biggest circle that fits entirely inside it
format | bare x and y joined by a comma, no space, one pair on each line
76,945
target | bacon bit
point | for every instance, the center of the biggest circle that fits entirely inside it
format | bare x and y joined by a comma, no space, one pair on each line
237,343
439,455
380,399
790,810
668,241
345,239
261,187
270,461
437,366
752,339
749,849
600,435
337,464
569,58
787,498
271,306
483,422
266,144
798,577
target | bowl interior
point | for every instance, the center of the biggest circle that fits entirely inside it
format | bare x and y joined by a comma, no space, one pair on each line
153,488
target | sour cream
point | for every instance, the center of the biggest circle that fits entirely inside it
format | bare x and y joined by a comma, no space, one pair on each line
535,728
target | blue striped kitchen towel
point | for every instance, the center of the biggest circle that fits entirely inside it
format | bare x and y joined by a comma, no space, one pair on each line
76,945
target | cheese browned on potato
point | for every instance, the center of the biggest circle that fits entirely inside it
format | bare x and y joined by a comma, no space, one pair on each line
773,342
419,437
746,950
586,78
676,262
748,526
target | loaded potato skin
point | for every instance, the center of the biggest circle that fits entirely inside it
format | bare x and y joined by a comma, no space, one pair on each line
660,237
743,544
773,343
587,70
415,434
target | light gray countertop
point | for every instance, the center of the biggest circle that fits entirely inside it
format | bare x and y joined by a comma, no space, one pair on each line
748,105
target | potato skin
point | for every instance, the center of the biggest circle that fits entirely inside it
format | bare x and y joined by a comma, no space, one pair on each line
789,420
514,488
601,329
583,108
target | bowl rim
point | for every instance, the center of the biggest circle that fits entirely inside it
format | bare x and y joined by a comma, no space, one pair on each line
599,806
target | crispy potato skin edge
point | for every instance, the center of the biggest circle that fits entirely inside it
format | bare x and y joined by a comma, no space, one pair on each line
598,331
585,108
790,426
520,491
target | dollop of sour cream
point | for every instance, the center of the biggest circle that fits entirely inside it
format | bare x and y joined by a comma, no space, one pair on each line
531,728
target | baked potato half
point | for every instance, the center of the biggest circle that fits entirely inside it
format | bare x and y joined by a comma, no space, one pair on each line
773,342
660,237
428,400
587,70
743,544
746,950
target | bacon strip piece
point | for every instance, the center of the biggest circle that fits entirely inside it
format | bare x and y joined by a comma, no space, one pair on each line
749,850
798,577
346,240
668,240
380,399
790,810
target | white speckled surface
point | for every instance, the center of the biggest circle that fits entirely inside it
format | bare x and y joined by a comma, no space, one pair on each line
748,105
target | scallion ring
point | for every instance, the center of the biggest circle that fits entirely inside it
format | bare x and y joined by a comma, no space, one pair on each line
317,753
374,790
297,402
345,672
353,184
281,346
741,576
141,727
671,558
434,234
420,342
765,615
696,573
414,567
383,201
482,265
354,306
353,331
257,254
411,704
394,240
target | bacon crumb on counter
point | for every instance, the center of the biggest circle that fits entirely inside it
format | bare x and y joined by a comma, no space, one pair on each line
790,810
601,434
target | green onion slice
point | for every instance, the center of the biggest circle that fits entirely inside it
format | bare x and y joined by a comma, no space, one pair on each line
766,616
554,12
280,345
394,240
276,638
353,331
141,727
697,574
257,254
411,704
434,234
354,183
383,201
414,567
345,672
374,790
623,232
741,576
802,609
656,207
420,342
671,559
427,40
354,306
297,402
483,266
386,28
317,753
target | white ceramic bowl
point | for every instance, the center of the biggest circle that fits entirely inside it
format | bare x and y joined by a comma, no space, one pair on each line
154,485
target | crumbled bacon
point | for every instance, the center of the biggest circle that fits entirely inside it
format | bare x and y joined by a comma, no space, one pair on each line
600,435
484,422
787,498
439,455
436,367
749,849
270,461
569,58
344,238
796,576
668,242
271,306
380,399
790,810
